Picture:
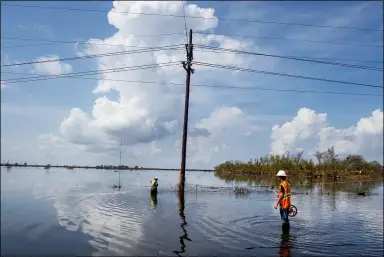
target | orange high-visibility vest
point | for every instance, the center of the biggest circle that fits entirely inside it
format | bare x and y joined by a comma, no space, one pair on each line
285,203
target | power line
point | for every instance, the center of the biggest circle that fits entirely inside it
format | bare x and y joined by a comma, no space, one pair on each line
283,74
95,72
28,79
291,39
219,86
289,90
79,42
194,17
143,50
317,58
87,42
201,33
290,58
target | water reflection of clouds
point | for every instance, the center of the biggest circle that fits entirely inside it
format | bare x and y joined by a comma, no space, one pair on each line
109,218
107,215
125,223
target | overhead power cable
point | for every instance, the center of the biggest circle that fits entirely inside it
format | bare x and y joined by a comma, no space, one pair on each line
88,42
192,17
94,72
314,58
292,39
180,33
28,79
201,33
219,86
143,50
289,58
282,74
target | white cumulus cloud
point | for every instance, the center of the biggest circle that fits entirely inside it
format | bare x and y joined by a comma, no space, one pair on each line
225,127
310,131
51,68
148,112
149,116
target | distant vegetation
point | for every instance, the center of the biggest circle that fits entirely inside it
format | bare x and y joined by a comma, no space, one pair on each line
329,165
99,167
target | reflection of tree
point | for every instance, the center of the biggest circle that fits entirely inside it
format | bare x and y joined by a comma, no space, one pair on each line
285,243
325,185
183,224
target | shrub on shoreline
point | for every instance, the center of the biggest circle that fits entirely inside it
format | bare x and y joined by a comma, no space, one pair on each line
328,165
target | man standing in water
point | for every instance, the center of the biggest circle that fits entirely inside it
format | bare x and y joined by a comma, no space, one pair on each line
154,185
284,197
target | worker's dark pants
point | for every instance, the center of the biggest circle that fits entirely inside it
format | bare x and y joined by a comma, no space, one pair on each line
284,215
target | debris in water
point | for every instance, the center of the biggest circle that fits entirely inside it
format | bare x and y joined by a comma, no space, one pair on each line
241,190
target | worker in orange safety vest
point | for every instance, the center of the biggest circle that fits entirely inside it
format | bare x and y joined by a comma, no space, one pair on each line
284,196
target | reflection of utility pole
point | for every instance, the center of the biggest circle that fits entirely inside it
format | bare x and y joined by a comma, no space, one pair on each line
187,66
183,224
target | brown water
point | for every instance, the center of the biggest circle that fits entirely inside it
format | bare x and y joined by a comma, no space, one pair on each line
76,212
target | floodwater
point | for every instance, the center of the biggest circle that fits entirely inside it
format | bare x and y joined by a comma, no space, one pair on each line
76,212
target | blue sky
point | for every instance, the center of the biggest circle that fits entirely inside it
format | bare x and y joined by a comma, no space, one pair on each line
32,109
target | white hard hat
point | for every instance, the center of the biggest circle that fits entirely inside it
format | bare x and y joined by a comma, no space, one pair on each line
281,173
156,178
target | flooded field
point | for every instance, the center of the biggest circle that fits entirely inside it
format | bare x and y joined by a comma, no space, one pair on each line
77,212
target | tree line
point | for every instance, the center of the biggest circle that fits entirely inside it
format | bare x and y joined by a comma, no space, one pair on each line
328,165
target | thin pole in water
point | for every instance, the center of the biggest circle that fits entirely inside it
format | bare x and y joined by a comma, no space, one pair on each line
121,143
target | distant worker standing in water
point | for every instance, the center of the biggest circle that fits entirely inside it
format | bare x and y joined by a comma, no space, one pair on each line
154,186
284,197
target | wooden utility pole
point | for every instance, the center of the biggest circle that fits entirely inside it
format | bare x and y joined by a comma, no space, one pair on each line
188,67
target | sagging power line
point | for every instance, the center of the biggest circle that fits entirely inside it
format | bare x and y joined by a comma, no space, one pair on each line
122,69
292,39
215,86
181,33
283,74
94,72
213,49
296,58
85,42
142,50
194,17
119,45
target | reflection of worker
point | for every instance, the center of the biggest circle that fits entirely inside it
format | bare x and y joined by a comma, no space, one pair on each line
153,200
285,243
154,186
284,197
